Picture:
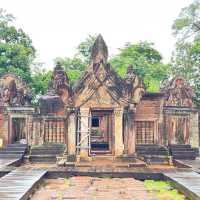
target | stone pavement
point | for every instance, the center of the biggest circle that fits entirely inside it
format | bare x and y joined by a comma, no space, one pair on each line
90,188
194,164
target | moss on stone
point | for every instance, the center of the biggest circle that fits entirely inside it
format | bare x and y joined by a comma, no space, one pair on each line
163,190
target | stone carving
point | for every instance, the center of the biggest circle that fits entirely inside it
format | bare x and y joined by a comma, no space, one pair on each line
177,93
102,78
99,52
134,87
59,93
60,79
14,91
61,84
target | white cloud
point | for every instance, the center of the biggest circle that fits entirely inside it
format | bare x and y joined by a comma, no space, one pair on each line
57,27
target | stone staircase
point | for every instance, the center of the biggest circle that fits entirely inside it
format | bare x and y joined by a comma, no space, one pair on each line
46,153
153,153
182,152
13,151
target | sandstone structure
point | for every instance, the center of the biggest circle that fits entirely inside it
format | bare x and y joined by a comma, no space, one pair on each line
102,114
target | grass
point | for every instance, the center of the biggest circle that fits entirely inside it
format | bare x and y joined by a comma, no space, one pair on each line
163,190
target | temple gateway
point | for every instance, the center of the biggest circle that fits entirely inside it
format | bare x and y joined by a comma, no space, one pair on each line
103,114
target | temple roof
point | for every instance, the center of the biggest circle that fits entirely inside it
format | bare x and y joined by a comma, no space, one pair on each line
99,50
59,92
101,80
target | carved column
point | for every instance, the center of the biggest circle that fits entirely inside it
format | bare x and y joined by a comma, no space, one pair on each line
118,124
71,133
131,133
84,130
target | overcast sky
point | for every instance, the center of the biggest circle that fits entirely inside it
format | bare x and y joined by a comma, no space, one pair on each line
58,26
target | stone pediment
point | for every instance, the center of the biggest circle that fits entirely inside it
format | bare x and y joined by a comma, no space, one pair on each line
101,85
99,89
177,93
14,91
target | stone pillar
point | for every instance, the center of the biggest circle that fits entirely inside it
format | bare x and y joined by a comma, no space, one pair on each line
84,130
125,130
118,128
4,130
71,134
194,129
131,133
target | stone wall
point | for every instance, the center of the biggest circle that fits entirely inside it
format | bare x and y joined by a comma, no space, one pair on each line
194,129
150,108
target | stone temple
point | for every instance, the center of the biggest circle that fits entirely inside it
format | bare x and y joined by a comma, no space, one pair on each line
103,114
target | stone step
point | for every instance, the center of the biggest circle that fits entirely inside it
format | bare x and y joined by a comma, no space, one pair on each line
17,145
180,149
156,159
42,158
150,147
184,157
4,151
15,148
97,152
183,152
180,146
11,155
152,150
50,145
47,151
48,148
164,153
95,158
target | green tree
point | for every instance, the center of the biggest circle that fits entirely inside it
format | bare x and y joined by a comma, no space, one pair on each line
186,56
85,47
40,80
16,49
188,22
147,63
74,67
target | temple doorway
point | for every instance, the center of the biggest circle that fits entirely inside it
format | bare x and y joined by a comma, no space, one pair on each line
101,132
18,129
178,129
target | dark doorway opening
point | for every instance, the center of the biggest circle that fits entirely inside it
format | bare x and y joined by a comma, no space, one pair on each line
101,132
18,129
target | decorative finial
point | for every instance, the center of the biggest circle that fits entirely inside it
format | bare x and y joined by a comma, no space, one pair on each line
99,51
58,66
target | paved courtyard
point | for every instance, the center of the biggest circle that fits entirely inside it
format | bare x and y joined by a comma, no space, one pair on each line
90,188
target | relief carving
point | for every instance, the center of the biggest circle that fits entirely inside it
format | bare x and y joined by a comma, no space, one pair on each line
14,91
177,93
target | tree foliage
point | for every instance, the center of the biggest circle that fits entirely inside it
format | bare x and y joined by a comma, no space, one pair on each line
40,80
74,67
84,48
186,57
16,49
188,21
147,63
